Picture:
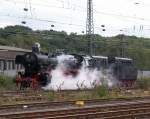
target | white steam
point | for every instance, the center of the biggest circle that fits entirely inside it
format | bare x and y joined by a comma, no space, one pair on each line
86,78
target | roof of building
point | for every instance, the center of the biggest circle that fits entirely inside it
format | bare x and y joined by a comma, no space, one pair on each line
9,53
8,48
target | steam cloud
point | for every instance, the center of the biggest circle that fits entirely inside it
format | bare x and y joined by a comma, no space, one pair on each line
86,78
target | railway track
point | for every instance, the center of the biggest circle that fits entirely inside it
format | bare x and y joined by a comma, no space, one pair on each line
22,96
110,109
20,92
105,111
37,96
61,104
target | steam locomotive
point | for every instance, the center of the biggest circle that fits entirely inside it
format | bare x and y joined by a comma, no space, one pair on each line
38,67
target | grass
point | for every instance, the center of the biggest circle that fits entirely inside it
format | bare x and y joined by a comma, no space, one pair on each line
49,95
7,83
81,95
101,91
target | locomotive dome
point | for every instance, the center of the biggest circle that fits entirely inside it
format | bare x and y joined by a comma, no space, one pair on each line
36,47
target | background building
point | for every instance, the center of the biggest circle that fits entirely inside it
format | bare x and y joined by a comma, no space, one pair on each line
7,59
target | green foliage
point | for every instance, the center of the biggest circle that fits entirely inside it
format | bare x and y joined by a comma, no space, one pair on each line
6,82
24,37
49,95
101,91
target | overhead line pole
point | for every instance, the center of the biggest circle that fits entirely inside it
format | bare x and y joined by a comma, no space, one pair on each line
90,26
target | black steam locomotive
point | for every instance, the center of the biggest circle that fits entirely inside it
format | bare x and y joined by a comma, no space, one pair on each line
38,67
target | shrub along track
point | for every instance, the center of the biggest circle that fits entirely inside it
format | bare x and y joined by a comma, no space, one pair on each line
106,109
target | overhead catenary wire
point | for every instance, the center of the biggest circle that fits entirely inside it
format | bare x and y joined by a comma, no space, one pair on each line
78,25
95,11
45,20
25,17
64,23
117,31
99,13
49,5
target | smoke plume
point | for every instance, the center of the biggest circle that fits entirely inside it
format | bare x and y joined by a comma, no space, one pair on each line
86,78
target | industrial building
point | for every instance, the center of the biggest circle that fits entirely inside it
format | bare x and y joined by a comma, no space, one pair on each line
7,59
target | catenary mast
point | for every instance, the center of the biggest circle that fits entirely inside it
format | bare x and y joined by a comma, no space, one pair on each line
90,26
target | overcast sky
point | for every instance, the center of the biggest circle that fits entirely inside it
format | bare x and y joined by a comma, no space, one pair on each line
70,15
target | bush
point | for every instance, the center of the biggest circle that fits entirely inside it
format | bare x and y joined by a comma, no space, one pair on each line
6,82
101,91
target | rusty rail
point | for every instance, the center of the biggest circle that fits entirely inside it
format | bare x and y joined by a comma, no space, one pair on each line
107,111
67,103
